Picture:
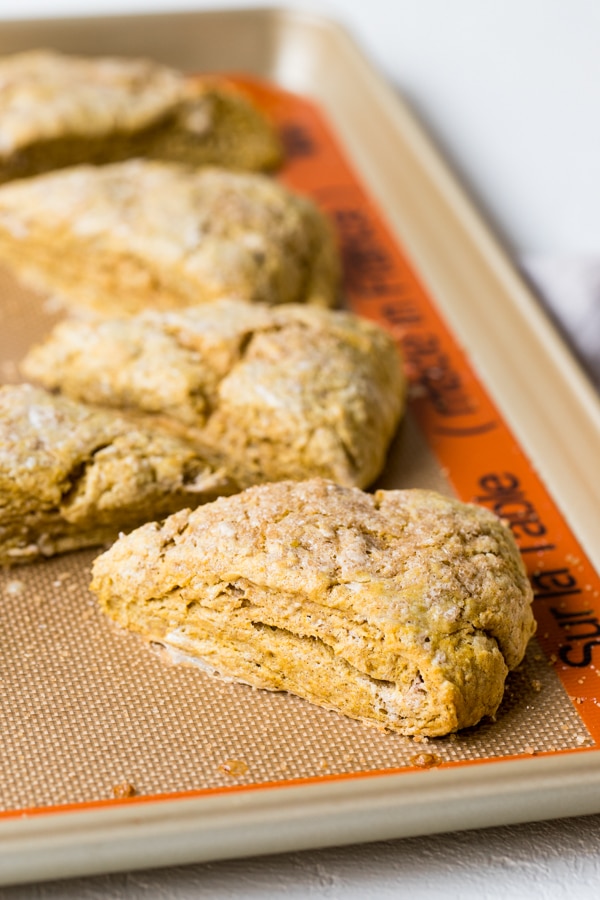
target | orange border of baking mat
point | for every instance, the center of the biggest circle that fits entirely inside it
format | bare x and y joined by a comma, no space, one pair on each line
478,452
143,799
461,424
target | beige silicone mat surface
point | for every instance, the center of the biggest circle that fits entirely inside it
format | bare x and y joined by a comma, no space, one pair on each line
88,712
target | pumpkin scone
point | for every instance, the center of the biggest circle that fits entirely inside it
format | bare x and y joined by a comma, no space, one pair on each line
58,110
404,609
273,393
73,477
140,234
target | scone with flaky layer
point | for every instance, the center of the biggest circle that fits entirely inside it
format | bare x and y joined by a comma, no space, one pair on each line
141,234
73,477
405,609
272,393
58,111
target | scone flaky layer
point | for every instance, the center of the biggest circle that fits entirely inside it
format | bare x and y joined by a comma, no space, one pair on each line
405,609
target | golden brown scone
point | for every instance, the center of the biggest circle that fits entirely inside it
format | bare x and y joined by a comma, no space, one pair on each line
405,609
58,111
73,477
274,393
135,235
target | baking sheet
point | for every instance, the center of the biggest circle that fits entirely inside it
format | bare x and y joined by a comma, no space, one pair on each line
89,714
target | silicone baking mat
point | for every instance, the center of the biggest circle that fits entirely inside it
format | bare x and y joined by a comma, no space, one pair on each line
89,713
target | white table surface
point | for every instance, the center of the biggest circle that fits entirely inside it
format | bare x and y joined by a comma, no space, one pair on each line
511,91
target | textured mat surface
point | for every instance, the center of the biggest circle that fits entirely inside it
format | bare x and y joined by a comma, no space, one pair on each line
87,711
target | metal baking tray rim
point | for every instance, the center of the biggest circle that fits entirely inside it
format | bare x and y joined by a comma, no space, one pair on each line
245,822
563,441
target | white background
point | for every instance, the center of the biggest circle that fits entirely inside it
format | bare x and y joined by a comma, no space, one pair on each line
511,91
510,88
